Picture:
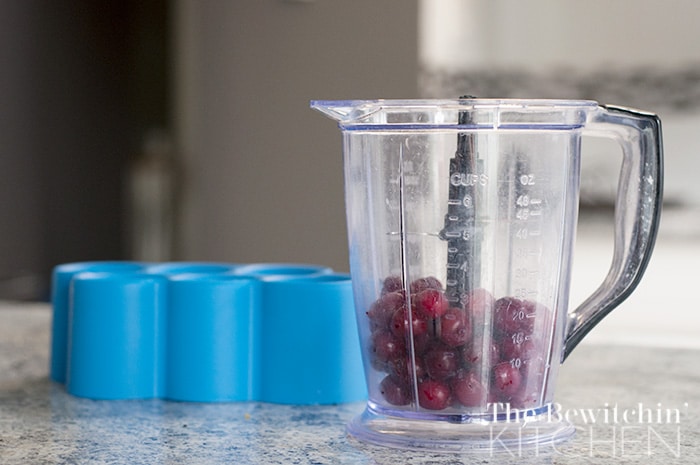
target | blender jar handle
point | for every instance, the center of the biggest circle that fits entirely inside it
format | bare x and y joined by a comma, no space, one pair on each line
637,213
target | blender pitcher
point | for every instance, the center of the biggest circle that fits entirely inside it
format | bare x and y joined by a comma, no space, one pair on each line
461,219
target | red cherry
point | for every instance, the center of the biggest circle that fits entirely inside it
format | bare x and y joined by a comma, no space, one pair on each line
519,347
455,328
532,383
431,302
385,346
400,324
392,284
468,389
394,391
434,395
473,355
421,284
383,309
422,343
441,362
513,315
506,380
403,368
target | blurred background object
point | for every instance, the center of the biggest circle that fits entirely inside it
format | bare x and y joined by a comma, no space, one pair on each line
81,83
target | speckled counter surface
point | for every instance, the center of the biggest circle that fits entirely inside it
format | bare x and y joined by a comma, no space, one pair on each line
41,424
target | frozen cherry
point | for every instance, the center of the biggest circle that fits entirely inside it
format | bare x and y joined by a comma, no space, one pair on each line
403,369
468,390
434,395
532,384
392,284
395,391
386,346
441,362
519,347
400,323
431,302
506,380
421,343
513,315
383,309
472,353
455,328
421,284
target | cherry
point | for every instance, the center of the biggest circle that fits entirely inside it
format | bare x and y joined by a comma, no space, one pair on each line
421,343
392,284
506,380
468,389
400,323
402,369
519,347
421,284
431,302
383,309
513,315
455,328
472,353
533,371
448,346
434,395
395,391
441,362
386,347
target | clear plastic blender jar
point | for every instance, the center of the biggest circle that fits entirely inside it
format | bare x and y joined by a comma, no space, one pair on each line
461,219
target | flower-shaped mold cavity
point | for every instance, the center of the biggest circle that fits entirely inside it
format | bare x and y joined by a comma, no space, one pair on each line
206,332
116,347
305,341
275,271
212,326
199,268
60,283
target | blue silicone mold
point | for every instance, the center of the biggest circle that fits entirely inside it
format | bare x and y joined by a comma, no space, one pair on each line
206,332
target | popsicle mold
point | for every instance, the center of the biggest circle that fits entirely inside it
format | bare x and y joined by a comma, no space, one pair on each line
111,353
60,283
206,332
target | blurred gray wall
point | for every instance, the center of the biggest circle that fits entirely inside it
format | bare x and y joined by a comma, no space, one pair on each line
263,172
67,128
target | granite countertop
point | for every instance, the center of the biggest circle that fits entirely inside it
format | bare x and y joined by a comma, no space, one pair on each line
41,424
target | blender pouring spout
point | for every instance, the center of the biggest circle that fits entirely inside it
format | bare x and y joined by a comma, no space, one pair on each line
347,111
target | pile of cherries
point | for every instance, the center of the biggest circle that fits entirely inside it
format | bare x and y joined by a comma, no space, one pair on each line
451,352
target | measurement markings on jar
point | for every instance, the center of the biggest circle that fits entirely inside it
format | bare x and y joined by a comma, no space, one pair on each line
524,293
526,274
524,252
525,233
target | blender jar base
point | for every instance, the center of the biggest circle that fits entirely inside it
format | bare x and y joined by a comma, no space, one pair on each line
538,432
